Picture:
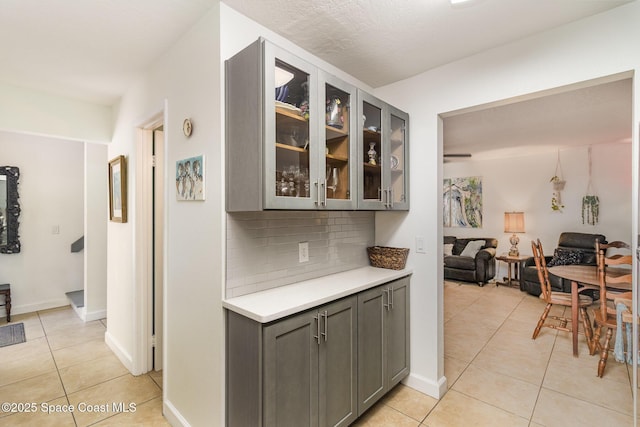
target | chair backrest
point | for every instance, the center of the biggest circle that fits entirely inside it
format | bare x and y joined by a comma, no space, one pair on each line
543,272
613,272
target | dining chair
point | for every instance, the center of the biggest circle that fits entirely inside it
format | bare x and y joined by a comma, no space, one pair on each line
615,275
558,298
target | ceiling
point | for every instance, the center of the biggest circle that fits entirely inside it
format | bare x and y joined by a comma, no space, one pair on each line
595,113
94,50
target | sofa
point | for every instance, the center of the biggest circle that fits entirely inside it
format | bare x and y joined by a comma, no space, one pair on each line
477,264
573,248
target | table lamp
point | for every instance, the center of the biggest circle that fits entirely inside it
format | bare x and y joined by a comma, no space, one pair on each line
514,223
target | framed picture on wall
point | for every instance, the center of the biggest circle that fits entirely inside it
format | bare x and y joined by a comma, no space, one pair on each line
118,189
190,178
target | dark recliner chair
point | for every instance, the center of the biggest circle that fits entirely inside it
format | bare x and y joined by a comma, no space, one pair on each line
582,242
479,269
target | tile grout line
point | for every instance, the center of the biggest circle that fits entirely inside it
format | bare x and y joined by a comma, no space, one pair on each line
55,363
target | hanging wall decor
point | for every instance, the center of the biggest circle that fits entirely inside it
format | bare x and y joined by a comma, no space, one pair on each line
590,202
462,202
558,185
190,178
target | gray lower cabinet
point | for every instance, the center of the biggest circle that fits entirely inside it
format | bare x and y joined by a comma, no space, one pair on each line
383,340
299,371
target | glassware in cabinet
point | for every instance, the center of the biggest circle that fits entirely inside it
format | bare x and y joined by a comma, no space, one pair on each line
339,150
398,190
291,174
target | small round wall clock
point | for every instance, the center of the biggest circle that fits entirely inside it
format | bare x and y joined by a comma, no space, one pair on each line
187,127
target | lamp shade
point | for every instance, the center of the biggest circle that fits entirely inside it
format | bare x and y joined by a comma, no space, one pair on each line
514,222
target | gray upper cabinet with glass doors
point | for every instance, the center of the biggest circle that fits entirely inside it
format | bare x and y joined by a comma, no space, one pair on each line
383,155
291,134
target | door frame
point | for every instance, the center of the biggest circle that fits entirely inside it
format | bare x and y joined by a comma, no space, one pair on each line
143,303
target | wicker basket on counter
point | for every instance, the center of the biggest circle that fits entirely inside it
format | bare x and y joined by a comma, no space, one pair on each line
387,257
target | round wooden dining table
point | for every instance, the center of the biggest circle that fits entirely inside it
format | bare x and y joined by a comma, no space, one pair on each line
584,277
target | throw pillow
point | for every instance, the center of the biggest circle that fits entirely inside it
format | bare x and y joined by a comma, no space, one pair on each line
472,248
448,249
566,257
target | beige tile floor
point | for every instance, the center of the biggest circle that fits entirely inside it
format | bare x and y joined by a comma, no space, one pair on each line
497,375
66,362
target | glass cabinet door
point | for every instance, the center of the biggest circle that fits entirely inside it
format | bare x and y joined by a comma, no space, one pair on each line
371,146
398,190
337,168
290,140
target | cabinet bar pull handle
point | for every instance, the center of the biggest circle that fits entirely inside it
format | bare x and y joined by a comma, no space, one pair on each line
326,324
391,197
317,336
380,194
323,202
385,291
390,290
317,202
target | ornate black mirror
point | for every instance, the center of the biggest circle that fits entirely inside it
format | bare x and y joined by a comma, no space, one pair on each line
9,210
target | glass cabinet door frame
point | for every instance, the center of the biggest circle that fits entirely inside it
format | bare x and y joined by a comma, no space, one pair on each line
387,197
271,200
400,173
324,79
372,204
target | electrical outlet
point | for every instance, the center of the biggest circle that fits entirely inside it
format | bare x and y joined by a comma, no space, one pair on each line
303,252
420,245
55,229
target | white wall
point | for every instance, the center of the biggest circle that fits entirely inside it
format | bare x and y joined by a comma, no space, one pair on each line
96,207
594,47
188,78
30,111
51,187
522,184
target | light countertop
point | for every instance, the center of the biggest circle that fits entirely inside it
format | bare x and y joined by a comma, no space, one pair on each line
273,304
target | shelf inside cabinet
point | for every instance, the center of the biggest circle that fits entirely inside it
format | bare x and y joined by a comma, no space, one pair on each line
333,133
370,166
291,148
334,158
371,134
289,114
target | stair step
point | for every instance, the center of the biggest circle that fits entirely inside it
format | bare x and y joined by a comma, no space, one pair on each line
76,298
78,245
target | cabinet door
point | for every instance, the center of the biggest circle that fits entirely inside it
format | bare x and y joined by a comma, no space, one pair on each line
337,154
397,332
338,362
290,141
373,123
371,355
398,188
291,372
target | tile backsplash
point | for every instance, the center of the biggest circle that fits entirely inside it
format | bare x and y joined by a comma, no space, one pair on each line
262,247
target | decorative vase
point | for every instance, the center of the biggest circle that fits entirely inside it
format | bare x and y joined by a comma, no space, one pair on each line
334,112
372,153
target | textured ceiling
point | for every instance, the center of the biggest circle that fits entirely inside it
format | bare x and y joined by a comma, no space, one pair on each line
383,41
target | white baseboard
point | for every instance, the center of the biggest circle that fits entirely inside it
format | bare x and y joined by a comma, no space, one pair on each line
95,315
30,308
173,415
434,389
120,353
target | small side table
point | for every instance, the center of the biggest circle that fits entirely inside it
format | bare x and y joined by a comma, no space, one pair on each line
6,291
515,262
